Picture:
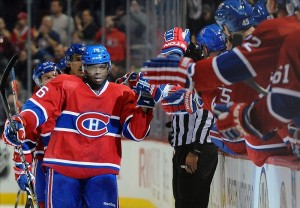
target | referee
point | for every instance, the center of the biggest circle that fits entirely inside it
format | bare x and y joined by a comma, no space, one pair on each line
195,159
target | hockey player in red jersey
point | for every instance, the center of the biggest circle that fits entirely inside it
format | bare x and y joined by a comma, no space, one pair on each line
231,21
36,141
84,152
281,104
258,55
42,74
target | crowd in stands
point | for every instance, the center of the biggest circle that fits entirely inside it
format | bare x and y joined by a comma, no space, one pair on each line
51,28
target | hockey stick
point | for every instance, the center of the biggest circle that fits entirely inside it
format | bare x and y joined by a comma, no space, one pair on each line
17,198
29,200
6,107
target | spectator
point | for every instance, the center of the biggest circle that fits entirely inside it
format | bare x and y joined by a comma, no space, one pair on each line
137,33
21,68
59,53
76,38
62,24
120,12
115,42
19,34
3,31
194,10
6,48
86,27
46,41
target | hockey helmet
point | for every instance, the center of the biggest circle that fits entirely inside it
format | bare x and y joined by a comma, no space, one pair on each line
260,12
75,48
235,14
43,68
212,37
96,54
62,64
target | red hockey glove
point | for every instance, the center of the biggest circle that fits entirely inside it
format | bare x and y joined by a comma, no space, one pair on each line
130,79
233,121
21,177
176,41
14,138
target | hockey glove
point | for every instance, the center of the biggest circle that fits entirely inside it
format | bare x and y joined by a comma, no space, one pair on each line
169,70
176,41
21,177
234,121
10,136
142,88
181,101
295,139
130,79
152,93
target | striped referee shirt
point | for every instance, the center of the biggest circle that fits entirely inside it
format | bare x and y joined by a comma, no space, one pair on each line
192,128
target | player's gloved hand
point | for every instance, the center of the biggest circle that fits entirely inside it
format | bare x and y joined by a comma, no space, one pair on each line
14,138
169,70
176,41
295,139
130,79
233,121
142,88
21,177
181,101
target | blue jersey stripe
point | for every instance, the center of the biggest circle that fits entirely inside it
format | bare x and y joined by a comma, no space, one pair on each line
232,68
283,105
29,105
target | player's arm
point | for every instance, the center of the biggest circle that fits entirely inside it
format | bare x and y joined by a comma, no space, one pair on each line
135,122
233,66
236,120
45,103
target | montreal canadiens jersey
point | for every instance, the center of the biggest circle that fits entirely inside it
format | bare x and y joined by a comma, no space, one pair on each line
36,141
284,99
86,140
256,57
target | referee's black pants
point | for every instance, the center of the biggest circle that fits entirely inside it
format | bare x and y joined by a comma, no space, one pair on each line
192,190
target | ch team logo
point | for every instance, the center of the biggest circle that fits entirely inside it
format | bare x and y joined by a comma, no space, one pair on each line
92,124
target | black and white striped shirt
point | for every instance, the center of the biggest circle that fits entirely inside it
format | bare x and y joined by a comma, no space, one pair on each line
192,128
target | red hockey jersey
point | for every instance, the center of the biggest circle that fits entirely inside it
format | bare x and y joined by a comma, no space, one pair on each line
257,57
86,140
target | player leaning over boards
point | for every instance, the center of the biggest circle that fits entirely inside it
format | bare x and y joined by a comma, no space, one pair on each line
257,57
84,153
